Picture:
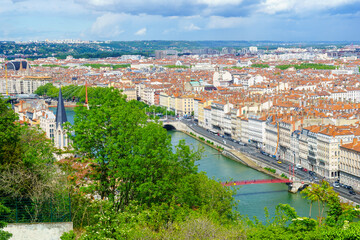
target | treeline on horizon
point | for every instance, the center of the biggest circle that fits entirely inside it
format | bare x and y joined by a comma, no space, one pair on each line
144,48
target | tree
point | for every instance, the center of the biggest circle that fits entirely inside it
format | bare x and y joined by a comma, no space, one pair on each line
3,234
324,194
9,133
132,157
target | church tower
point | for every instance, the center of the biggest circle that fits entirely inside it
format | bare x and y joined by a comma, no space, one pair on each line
60,137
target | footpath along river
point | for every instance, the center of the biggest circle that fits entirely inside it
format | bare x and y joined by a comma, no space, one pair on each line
252,199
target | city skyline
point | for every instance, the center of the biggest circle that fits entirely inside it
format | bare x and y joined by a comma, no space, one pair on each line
272,20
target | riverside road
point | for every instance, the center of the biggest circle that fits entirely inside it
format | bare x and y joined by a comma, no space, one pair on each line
255,153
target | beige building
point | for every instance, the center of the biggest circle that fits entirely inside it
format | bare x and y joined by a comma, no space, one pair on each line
328,150
201,111
350,164
22,85
182,105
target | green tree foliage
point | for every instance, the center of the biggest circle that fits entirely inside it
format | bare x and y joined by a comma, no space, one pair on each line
317,66
3,234
27,171
9,133
260,65
175,66
137,172
97,65
70,92
235,67
324,195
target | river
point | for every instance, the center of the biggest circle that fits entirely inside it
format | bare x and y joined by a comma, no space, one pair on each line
252,199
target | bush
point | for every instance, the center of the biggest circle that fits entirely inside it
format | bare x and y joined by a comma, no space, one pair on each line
270,170
68,236
284,176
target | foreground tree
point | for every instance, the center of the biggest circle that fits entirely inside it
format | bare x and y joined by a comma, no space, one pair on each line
27,171
137,172
132,157
9,133
4,235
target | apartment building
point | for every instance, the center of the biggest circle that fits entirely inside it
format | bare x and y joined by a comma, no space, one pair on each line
22,85
271,137
244,130
221,117
47,123
256,130
295,147
349,167
207,124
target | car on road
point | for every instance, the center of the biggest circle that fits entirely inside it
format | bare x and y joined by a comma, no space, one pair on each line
304,169
298,166
279,162
336,185
348,187
352,192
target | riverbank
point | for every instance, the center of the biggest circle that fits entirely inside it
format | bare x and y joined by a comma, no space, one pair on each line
261,161
239,157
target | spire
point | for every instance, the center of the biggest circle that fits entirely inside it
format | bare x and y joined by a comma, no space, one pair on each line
60,111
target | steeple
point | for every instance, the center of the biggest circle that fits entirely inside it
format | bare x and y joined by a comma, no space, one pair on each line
60,111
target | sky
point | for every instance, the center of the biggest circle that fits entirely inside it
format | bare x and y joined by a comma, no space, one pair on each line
125,20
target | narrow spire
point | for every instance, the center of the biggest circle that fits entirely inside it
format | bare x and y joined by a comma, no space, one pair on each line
60,111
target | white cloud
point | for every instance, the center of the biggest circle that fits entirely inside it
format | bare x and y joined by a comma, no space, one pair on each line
107,25
141,32
192,27
303,6
219,2
217,22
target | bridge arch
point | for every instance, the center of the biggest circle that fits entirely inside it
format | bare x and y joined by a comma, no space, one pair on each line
169,127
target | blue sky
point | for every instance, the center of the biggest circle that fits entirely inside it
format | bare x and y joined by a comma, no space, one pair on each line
277,20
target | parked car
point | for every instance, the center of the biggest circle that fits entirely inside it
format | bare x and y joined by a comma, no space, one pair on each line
336,185
352,192
279,162
298,166
348,187
304,169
